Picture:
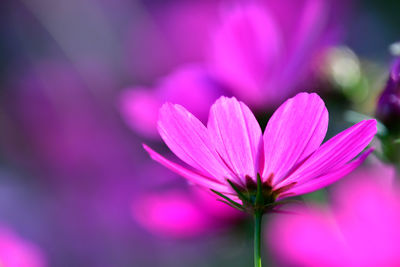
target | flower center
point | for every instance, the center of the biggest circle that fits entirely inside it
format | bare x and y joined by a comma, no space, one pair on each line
256,197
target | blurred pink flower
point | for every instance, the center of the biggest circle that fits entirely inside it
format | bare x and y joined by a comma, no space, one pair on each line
263,51
360,228
16,252
259,53
181,214
189,85
289,157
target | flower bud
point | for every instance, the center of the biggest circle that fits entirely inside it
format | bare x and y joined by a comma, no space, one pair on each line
388,110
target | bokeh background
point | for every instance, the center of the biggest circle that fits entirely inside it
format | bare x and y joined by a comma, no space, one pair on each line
80,85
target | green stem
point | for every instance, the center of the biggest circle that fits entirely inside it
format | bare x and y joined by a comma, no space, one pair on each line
257,238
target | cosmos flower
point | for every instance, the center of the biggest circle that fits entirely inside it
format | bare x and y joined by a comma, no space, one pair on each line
358,228
232,157
261,47
254,50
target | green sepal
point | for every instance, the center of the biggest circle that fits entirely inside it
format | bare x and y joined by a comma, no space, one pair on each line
237,190
228,199
259,194
241,208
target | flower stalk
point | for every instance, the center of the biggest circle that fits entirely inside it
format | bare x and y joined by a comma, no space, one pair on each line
257,239
257,199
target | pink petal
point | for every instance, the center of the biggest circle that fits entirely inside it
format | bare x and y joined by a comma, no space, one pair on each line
192,176
327,179
335,152
295,130
245,49
310,26
296,22
236,135
189,139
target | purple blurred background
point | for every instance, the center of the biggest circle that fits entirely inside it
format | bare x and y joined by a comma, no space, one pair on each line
81,83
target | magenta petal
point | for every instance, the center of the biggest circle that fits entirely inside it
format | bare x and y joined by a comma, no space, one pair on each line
294,131
190,175
189,139
335,152
236,135
309,28
327,179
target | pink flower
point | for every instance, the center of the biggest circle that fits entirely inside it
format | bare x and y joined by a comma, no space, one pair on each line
259,48
229,154
360,228
16,252
256,49
181,214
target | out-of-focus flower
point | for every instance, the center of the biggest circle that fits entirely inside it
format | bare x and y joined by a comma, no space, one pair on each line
360,228
16,252
230,153
169,207
260,53
179,213
189,86
388,110
263,51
